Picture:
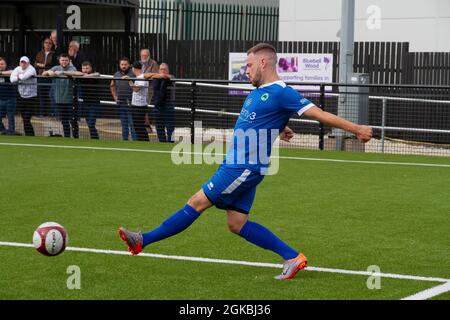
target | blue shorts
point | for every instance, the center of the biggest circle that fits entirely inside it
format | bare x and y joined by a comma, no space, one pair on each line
232,188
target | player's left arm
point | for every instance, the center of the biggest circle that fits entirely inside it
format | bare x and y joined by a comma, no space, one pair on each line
363,133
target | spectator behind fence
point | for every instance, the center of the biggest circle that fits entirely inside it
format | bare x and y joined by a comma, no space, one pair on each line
139,102
58,50
148,66
76,57
54,39
7,98
164,111
63,94
27,101
44,57
122,94
42,63
89,93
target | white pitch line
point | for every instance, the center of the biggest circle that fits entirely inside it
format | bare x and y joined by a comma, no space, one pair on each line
221,154
370,162
238,262
430,293
80,147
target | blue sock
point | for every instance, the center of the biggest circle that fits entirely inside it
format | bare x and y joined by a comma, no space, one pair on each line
173,225
264,238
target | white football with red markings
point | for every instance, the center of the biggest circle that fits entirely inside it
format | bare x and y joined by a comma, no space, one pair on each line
50,239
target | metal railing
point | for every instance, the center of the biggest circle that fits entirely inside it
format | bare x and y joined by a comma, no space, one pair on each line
323,94
405,119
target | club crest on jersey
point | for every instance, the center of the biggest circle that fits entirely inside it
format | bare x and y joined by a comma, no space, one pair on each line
265,97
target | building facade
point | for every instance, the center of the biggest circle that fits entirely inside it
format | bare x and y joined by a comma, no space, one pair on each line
210,19
424,24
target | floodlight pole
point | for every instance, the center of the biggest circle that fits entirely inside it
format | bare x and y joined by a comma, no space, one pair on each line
345,63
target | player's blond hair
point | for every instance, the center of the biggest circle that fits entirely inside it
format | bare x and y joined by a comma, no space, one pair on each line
264,48
260,47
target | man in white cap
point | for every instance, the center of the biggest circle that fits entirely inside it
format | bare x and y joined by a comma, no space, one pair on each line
25,76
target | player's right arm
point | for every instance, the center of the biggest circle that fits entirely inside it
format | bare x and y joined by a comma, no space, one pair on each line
363,133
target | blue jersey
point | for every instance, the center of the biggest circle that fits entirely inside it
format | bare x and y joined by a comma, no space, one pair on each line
264,115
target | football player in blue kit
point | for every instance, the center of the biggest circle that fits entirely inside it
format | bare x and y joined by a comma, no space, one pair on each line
263,118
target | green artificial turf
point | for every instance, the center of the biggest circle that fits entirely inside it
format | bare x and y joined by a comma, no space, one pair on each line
341,215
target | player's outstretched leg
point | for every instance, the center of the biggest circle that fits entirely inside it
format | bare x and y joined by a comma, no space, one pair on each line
261,236
176,223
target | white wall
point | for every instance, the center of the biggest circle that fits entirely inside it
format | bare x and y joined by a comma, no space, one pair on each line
423,23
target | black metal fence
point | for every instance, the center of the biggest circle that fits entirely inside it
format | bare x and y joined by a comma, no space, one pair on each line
209,21
385,62
405,119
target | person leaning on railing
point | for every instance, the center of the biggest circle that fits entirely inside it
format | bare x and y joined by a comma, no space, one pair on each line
63,94
89,93
7,98
139,101
75,55
27,101
164,111
148,65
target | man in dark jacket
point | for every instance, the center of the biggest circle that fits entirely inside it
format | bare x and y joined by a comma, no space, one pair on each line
76,57
57,50
164,110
